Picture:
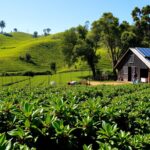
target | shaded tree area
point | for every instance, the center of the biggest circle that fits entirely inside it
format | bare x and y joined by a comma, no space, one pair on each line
107,31
141,18
79,43
53,67
108,28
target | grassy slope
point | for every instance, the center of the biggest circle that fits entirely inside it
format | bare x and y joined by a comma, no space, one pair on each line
105,61
43,51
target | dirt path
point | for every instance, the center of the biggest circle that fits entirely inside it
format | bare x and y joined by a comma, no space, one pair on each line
94,83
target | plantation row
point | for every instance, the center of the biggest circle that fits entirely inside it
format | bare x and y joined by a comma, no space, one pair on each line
104,118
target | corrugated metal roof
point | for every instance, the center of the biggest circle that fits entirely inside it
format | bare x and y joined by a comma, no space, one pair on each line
144,51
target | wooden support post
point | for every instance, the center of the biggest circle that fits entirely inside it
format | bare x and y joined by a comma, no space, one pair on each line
148,75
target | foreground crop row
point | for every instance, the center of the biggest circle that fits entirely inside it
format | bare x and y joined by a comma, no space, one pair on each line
104,118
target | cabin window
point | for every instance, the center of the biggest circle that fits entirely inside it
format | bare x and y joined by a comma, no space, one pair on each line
125,70
131,60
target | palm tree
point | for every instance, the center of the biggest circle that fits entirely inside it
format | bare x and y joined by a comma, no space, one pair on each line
2,25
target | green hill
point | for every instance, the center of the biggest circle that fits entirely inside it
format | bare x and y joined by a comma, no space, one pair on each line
17,47
42,50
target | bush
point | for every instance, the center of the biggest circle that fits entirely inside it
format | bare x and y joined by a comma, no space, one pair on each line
31,73
7,34
28,57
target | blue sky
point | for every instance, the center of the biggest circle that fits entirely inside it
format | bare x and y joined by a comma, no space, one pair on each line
59,15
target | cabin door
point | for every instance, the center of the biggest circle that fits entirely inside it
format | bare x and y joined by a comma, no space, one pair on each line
132,73
129,73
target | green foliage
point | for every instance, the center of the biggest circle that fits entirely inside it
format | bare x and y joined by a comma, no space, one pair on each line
35,34
2,25
128,39
43,50
141,18
53,67
4,144
77,44
85,147
108,29
103,117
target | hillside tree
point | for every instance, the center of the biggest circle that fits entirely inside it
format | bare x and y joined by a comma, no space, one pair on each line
79,44
108,28
128,39
45,32
2,25
15,30
141,18
48,30
53,67
35,34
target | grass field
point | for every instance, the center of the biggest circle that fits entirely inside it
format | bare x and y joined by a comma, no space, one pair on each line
43,80
43,50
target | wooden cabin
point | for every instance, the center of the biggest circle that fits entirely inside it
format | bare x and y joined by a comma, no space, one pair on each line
134,65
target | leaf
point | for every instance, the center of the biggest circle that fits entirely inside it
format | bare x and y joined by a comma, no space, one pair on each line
56,125
9,144
13,132
17,132
27,123
48,120
27,108
36,112
2,139
85,147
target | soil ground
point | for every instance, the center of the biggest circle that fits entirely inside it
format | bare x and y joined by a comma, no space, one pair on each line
94,83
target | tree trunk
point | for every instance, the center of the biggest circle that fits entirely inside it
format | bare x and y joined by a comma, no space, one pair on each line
114,70
92,66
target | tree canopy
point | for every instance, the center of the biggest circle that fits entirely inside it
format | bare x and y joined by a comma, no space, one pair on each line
79,44
141,18
2,25
83,41
107,31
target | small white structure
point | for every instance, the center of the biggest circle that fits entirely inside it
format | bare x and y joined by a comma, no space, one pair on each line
145,80
53,83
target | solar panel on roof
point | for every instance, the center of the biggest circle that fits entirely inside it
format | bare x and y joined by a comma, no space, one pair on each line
144,51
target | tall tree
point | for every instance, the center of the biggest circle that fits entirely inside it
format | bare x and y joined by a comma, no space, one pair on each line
45,31
79,44
108,27
69,41
128,39
53,67
124,26
48,30
2,25
15,30
35,34
141,18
